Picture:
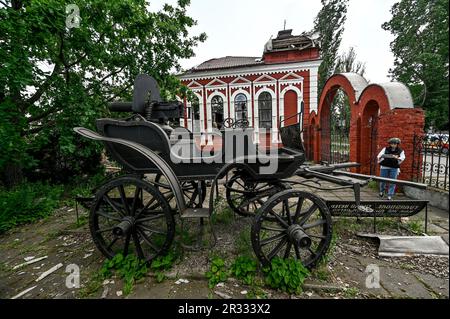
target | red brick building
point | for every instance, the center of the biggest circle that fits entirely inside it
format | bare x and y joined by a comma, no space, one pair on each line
264,90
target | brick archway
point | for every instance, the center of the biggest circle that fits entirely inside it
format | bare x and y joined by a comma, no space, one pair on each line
378,112
352,85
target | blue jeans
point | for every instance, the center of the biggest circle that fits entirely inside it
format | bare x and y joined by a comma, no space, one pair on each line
388,173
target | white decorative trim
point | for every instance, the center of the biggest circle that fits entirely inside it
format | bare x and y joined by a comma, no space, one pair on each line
247,83
209,107
285,78
299,100
274,107
249,99
222,86
313,94
201,111
256,70
222,83
196,84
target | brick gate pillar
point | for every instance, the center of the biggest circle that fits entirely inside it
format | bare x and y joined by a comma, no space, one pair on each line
401,123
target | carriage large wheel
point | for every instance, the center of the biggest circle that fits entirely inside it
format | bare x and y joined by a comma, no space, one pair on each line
130,215
245,196
292,224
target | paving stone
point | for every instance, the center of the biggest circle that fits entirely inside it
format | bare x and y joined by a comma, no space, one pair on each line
438,285
402,284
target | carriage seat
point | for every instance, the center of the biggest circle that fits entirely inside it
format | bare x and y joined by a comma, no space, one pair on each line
156,137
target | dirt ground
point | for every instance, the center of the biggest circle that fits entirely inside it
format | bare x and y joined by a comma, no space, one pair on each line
61,241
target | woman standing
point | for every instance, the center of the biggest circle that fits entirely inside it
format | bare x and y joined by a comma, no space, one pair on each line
390,159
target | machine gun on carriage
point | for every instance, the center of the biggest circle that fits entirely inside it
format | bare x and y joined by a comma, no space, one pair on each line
136,211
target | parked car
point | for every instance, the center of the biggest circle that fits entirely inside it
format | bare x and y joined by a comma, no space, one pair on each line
437,142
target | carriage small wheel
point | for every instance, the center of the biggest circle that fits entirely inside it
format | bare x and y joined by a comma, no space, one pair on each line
228,122
129,215
292,224
190,189
245,196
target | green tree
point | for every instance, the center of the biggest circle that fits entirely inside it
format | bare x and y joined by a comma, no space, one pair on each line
421,55
329,24
58,71
340,114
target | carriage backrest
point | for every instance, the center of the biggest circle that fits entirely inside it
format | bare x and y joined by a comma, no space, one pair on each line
291,135
146,133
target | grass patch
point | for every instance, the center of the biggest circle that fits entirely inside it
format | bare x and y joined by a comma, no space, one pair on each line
415,226
351,292
224,216
373,185
243,243
92,286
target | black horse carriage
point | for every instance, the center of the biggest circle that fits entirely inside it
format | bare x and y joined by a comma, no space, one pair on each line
135,212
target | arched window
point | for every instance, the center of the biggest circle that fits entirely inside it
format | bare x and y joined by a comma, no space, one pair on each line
217,111
265,110
240,107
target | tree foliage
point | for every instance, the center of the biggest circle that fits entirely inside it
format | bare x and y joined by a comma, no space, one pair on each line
53,77
421,54
329,24
347,62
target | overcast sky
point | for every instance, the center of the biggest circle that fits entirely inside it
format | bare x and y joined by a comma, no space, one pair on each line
242,27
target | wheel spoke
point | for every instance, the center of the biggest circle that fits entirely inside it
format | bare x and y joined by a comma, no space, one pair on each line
297,252
137,244
313,253
103,214
315,224
317,236
99,231
144,227
273,228
124,199
287,211
113,242
127,244
271,239
237,182
111,203
308,214
288,250
282,222
147,240
298,209
146,219
277,248
135,200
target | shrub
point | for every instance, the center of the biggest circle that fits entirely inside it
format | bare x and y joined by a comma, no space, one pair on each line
244,268
217,273
286,275
128,268
27,203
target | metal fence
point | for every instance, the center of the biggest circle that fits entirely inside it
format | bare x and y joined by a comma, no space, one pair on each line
430,160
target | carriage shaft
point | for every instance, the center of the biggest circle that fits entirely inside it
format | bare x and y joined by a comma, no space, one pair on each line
383,179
